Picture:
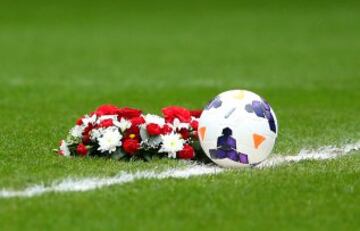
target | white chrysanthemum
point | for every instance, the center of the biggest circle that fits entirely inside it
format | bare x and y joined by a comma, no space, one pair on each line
77,131
178,125
171,143
89,119
110,140
147,140
123,124
96,133
64,150
154,119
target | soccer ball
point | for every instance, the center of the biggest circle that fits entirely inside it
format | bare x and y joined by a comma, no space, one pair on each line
237,128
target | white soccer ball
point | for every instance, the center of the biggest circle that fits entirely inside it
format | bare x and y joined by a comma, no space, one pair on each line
237,128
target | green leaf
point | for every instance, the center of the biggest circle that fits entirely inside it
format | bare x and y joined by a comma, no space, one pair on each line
196,145
147,156
118,154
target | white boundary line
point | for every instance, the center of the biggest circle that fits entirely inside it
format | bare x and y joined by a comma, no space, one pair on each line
323,153
87,184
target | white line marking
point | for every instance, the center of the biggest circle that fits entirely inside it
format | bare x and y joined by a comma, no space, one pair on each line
323,153
86,184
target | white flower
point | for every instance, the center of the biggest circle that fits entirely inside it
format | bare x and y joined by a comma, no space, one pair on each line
154,119
89,119
123,124
110,139
77,131
96,133
64,150
171,143
147,140
178,125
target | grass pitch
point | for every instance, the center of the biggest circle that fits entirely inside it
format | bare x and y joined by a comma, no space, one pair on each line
58,62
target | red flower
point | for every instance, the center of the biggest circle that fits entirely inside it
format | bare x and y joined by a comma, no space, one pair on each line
194,124
86,139
136,121
107,110
128,113
135,130
187,152
86,133
166,129
129,135
81,149
153,129
106,123
196,135
172,112
131,146
196,113
185,134
79,121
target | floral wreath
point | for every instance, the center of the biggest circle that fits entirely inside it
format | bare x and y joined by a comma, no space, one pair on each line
128,134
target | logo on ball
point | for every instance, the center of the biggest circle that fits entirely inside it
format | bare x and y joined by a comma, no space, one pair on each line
226,148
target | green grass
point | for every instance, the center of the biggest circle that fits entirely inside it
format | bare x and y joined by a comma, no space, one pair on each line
58,62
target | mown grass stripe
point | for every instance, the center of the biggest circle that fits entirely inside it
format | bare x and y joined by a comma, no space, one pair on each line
86,184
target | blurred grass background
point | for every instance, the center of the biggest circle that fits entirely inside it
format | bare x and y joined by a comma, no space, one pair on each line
59,60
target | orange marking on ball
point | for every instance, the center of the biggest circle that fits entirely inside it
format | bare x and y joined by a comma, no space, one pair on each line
258,139
202,131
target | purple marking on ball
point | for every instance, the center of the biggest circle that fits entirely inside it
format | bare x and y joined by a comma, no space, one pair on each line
221,153
243,158
248,108
258,108
215,103
262,109
266,104
233,155
226,148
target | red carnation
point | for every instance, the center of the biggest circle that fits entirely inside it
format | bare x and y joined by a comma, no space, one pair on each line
187,152
194,124
153,129
79,121
107,110
106,123
185,134
136,121
133,130
196,113
86,139
172,112
129,135
86,133
81,149
196,135
128,113
166,129
131,146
